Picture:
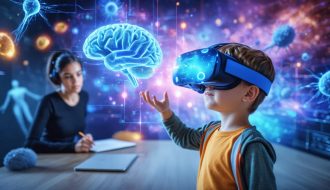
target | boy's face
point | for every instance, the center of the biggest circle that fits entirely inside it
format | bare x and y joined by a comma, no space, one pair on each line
227,101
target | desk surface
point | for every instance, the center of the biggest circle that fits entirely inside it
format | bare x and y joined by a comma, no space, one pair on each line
160,165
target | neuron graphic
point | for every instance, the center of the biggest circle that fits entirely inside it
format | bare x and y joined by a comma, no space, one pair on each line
322,86
282,37
31,8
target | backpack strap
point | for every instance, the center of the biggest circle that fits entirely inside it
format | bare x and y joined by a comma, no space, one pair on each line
208,131
236,160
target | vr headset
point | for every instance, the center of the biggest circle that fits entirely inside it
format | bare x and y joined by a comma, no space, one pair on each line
208,67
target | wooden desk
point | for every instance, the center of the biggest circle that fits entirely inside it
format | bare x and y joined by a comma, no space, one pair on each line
160,165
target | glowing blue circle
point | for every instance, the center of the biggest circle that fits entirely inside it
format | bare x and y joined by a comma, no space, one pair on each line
324,84
75,30
205,50
305,56
283,36
201,76
126,48
111,8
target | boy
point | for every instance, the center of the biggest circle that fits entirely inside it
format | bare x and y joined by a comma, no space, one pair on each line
233,154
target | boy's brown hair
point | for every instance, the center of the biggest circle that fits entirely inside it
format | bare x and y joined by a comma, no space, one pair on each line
254,59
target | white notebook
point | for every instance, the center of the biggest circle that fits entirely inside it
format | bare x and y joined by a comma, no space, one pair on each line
110,144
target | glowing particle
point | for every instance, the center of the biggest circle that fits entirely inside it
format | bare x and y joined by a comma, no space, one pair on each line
43,42
183,25
305,56
124,95
61,27
178,94
241,19
157,24
75,30
298,64
218,22
25,62
249,25
111,8
7,47
159,82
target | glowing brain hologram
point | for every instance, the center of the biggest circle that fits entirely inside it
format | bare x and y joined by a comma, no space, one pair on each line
126,48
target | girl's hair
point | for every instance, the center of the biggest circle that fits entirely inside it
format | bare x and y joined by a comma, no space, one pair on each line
56,62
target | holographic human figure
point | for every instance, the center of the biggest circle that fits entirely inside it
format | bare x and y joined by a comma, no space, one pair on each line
282,37
126,48
20,108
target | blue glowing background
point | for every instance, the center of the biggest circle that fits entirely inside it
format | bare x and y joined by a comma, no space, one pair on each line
295,35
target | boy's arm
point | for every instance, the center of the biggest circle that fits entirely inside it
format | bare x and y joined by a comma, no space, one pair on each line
182,135
258,168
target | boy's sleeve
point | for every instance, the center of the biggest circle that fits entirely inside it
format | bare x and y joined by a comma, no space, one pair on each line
258,168
182,135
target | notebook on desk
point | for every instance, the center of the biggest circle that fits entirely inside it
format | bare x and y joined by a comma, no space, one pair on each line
110,144
107,163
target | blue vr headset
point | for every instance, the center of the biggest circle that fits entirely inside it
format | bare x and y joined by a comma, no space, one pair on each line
209,67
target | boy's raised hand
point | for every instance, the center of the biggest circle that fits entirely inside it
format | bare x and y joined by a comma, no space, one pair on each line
162,106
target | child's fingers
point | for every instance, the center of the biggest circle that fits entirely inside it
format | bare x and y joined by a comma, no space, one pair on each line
155,101
149,99
166,96
143,96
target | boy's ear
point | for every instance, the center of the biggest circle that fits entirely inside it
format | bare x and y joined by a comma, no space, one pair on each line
251,94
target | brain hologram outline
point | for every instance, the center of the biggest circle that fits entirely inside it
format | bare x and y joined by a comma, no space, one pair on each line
126,48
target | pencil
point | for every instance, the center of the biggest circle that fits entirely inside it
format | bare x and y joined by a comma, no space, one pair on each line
83,135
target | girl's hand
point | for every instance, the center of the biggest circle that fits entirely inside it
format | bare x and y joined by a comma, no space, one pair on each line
84,144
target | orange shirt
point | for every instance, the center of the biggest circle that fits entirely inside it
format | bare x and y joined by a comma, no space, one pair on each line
214,166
